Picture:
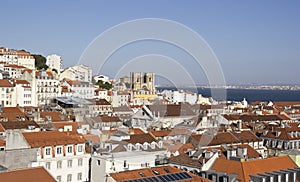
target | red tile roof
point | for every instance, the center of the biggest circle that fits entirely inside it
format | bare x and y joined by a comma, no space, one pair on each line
16,121
2,143
11,110
14,66
23,82
141,138
172,110
93,138
65,89
1,128
61,125
52,138
109,119
49,73
5,83
27,175
179,147
55,116
217,139
282,104
244,169
102,102
133,131
27,70
149,172
246,136
73,82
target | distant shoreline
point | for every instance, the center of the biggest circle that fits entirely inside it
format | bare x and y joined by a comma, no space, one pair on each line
295,88
238,94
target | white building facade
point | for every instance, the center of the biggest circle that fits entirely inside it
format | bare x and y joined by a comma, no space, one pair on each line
54,62
84,90
77,72
180,96
63,156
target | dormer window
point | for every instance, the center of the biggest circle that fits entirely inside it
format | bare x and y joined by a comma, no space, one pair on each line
58,150
80,148
70,148
48,151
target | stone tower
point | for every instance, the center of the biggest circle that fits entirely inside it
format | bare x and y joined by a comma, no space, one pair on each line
139,80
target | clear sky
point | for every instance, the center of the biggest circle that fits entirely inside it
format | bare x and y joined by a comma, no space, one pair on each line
256,41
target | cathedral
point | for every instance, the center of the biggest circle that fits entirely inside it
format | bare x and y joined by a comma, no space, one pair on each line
145,81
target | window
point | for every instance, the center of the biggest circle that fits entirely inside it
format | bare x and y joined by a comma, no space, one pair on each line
48,151
79,176
70,149
69,178
80,148
48,164
58,150
59,164
99,162
79,162
58,178
69,163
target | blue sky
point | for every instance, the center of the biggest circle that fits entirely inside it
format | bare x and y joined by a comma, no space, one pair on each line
255,41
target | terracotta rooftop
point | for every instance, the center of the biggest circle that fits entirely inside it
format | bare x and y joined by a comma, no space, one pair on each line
11,110
246,136
100,89
48,73
251,152
170,132
16,121
93,138
172,110
283,134
244,169
132,131
216,139
27,175
271,117
122,109
282,104
1,128
231,117
185,159
5,83
102,102
53,116
65,89
2,143
73,82
51,138
27,70
141,138
108,119
62,125
14,66
150,172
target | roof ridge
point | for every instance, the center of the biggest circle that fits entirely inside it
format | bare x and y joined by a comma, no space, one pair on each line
243,171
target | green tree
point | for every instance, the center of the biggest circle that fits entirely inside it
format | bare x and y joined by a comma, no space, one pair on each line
104,85
40,61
